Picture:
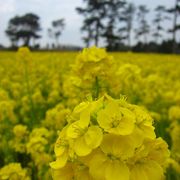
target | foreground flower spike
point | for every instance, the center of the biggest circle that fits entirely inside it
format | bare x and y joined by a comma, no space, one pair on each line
109,139
92,73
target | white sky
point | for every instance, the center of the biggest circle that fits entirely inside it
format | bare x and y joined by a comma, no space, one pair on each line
49,10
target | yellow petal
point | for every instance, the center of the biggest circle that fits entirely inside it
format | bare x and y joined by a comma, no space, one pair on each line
137,137
59,150
159,151
148,131
116,170
82,173
80,147
81,107
74,130
84,118
149,170
107,143
93,136
96,105
137,173
60,161
126,125
66,173
154,171
60,146
98,166
118,146
104,119
112,107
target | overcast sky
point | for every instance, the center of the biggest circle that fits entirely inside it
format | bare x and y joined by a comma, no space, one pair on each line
49,10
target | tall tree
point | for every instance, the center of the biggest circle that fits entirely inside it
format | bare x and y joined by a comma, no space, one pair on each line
143,26
175,11
94,13
88,28
58,27
128,14
157,22
23,28
50,34
55,31
113,26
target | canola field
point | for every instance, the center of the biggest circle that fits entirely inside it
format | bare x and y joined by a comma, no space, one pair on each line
89,115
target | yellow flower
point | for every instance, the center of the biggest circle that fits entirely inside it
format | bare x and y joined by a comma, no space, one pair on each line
61,150
149,160
38,139
108,167
24,54
121,147
56,117
60,161
158,151
85,138
65,173
115,119
7,111
143,122
3,95
20,138
13,171
150,170
174,164
93,54
20,130
174,113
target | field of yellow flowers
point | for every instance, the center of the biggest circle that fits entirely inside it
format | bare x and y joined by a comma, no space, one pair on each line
89,115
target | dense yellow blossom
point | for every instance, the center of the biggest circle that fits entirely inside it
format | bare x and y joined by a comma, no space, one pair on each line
53,106
20,138
13,171
117,140
56,117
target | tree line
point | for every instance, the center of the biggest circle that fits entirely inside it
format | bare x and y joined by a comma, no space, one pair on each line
113,23
25,30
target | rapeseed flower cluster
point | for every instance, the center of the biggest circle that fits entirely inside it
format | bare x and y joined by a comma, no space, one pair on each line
109,139
92,72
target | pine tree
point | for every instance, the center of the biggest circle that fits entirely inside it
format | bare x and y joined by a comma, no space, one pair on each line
175,11
94,14
160,17
114,19
143,27
128,13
